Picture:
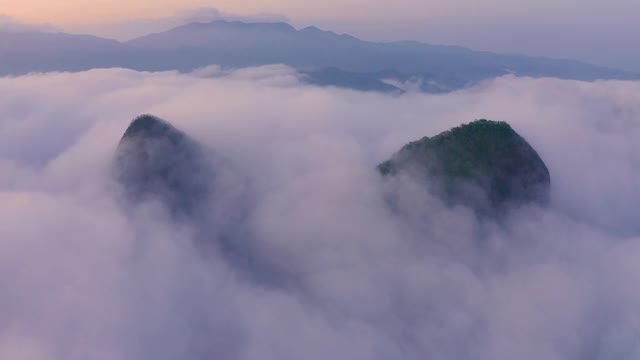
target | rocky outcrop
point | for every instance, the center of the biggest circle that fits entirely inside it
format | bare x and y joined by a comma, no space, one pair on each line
154,160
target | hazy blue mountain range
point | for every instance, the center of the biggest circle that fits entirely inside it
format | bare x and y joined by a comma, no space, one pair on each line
322,57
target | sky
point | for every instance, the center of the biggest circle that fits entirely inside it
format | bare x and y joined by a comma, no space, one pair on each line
589,30
86,273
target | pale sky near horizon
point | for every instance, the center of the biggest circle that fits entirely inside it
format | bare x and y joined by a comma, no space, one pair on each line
597,31
73,12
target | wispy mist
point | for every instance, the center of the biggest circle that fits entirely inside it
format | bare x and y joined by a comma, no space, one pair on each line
85,275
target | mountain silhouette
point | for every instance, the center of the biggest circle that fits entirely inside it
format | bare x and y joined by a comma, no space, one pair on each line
323,57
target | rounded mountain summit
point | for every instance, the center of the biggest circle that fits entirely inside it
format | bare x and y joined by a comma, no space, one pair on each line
154,160
485,165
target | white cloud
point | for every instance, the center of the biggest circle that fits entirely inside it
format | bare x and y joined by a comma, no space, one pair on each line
83,276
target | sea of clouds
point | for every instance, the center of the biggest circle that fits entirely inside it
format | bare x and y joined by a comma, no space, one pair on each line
83,276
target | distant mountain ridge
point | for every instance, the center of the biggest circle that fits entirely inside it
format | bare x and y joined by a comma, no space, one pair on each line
323,57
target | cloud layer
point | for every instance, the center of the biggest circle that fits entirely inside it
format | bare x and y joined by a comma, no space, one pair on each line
84,276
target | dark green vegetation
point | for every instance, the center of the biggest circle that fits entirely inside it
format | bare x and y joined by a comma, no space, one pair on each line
156,160
484,164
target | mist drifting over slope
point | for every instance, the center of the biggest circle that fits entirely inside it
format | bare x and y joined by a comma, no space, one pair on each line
86,276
